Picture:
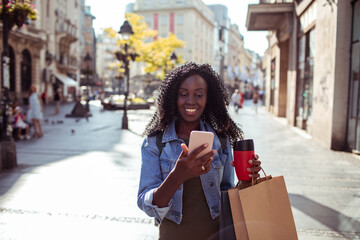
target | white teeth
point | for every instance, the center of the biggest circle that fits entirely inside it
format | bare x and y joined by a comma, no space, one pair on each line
190,110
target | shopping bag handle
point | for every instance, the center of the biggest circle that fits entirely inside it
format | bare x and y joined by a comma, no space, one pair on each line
255,181
245,184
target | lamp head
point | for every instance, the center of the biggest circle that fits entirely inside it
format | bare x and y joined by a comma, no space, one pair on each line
87,57
173,57
126,30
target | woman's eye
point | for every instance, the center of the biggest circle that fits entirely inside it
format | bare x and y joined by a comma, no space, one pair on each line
199,95
182,94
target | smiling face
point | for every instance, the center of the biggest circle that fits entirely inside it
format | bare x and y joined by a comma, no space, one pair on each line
191,100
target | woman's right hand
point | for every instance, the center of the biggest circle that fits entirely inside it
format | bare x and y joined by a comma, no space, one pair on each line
190,165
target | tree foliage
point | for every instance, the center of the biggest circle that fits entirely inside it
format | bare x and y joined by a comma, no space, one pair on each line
154,51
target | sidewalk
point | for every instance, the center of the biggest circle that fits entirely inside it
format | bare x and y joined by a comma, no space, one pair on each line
82,184
323,185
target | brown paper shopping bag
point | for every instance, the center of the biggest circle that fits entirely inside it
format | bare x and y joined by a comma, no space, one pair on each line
262,211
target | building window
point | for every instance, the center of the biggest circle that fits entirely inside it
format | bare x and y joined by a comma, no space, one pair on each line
148,21
180,1
47,8
164,1
353,133
164,20
180,36
148,2
305,75
26,80
180,19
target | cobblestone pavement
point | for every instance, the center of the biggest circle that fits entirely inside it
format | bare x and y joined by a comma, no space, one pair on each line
80,180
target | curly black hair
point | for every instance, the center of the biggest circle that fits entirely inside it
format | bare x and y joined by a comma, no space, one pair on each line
215,113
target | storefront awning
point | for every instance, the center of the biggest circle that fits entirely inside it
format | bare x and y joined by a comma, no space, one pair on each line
66,80
267,17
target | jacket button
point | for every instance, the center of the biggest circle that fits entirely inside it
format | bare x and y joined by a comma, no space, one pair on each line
211,184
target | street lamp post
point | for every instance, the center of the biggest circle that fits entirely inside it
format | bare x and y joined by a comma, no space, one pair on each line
8,148
126,31
87,59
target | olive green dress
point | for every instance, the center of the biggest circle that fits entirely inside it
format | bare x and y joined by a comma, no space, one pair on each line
196,223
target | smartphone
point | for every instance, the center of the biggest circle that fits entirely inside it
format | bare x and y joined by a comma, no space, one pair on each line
198,138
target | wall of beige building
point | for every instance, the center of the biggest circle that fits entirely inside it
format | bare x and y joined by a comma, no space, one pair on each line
233,62
328,122
31,40
56,20
331,73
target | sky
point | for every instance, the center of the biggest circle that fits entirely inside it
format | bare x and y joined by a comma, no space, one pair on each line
111,13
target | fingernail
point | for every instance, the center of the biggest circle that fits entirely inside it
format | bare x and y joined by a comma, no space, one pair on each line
248,169
250,161
205,145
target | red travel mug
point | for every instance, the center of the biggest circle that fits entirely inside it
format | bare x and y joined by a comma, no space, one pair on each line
243,152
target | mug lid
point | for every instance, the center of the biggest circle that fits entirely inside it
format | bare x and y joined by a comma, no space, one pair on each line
244,145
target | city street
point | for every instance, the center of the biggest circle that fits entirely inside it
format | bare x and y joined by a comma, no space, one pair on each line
79,181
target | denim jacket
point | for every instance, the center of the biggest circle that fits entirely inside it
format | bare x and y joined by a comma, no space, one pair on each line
155,169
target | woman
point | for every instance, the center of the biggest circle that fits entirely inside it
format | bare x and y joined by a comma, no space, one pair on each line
57,100
181,190
34,113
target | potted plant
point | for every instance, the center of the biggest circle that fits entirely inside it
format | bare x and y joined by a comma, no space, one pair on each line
19,11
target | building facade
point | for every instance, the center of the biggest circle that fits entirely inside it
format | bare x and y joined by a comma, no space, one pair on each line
26,46
88,78
182,17
60,20
312,66
105,55
47,52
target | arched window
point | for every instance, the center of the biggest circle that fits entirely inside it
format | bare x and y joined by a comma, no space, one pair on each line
26,71
12,69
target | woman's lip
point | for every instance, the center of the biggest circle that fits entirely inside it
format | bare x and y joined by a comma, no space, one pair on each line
191,111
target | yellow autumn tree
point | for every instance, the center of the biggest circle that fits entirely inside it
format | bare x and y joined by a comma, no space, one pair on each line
154,51
157,55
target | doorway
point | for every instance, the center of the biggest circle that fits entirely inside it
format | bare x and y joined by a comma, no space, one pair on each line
353,134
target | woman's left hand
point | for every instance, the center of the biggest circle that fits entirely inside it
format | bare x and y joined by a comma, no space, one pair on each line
254,171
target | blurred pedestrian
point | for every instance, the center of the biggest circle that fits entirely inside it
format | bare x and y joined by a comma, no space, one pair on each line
35,112
57,100
236,100
43,97
255,99
261,96
180,189
20,124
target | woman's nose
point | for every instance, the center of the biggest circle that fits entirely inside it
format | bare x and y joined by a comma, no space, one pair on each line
190,99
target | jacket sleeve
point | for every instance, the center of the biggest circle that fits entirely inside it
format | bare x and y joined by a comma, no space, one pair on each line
150,180
229,172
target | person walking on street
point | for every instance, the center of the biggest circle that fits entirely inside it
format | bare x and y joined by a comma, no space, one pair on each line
255,99
35,112
180,189
43,97
20,124
236,99
57,100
